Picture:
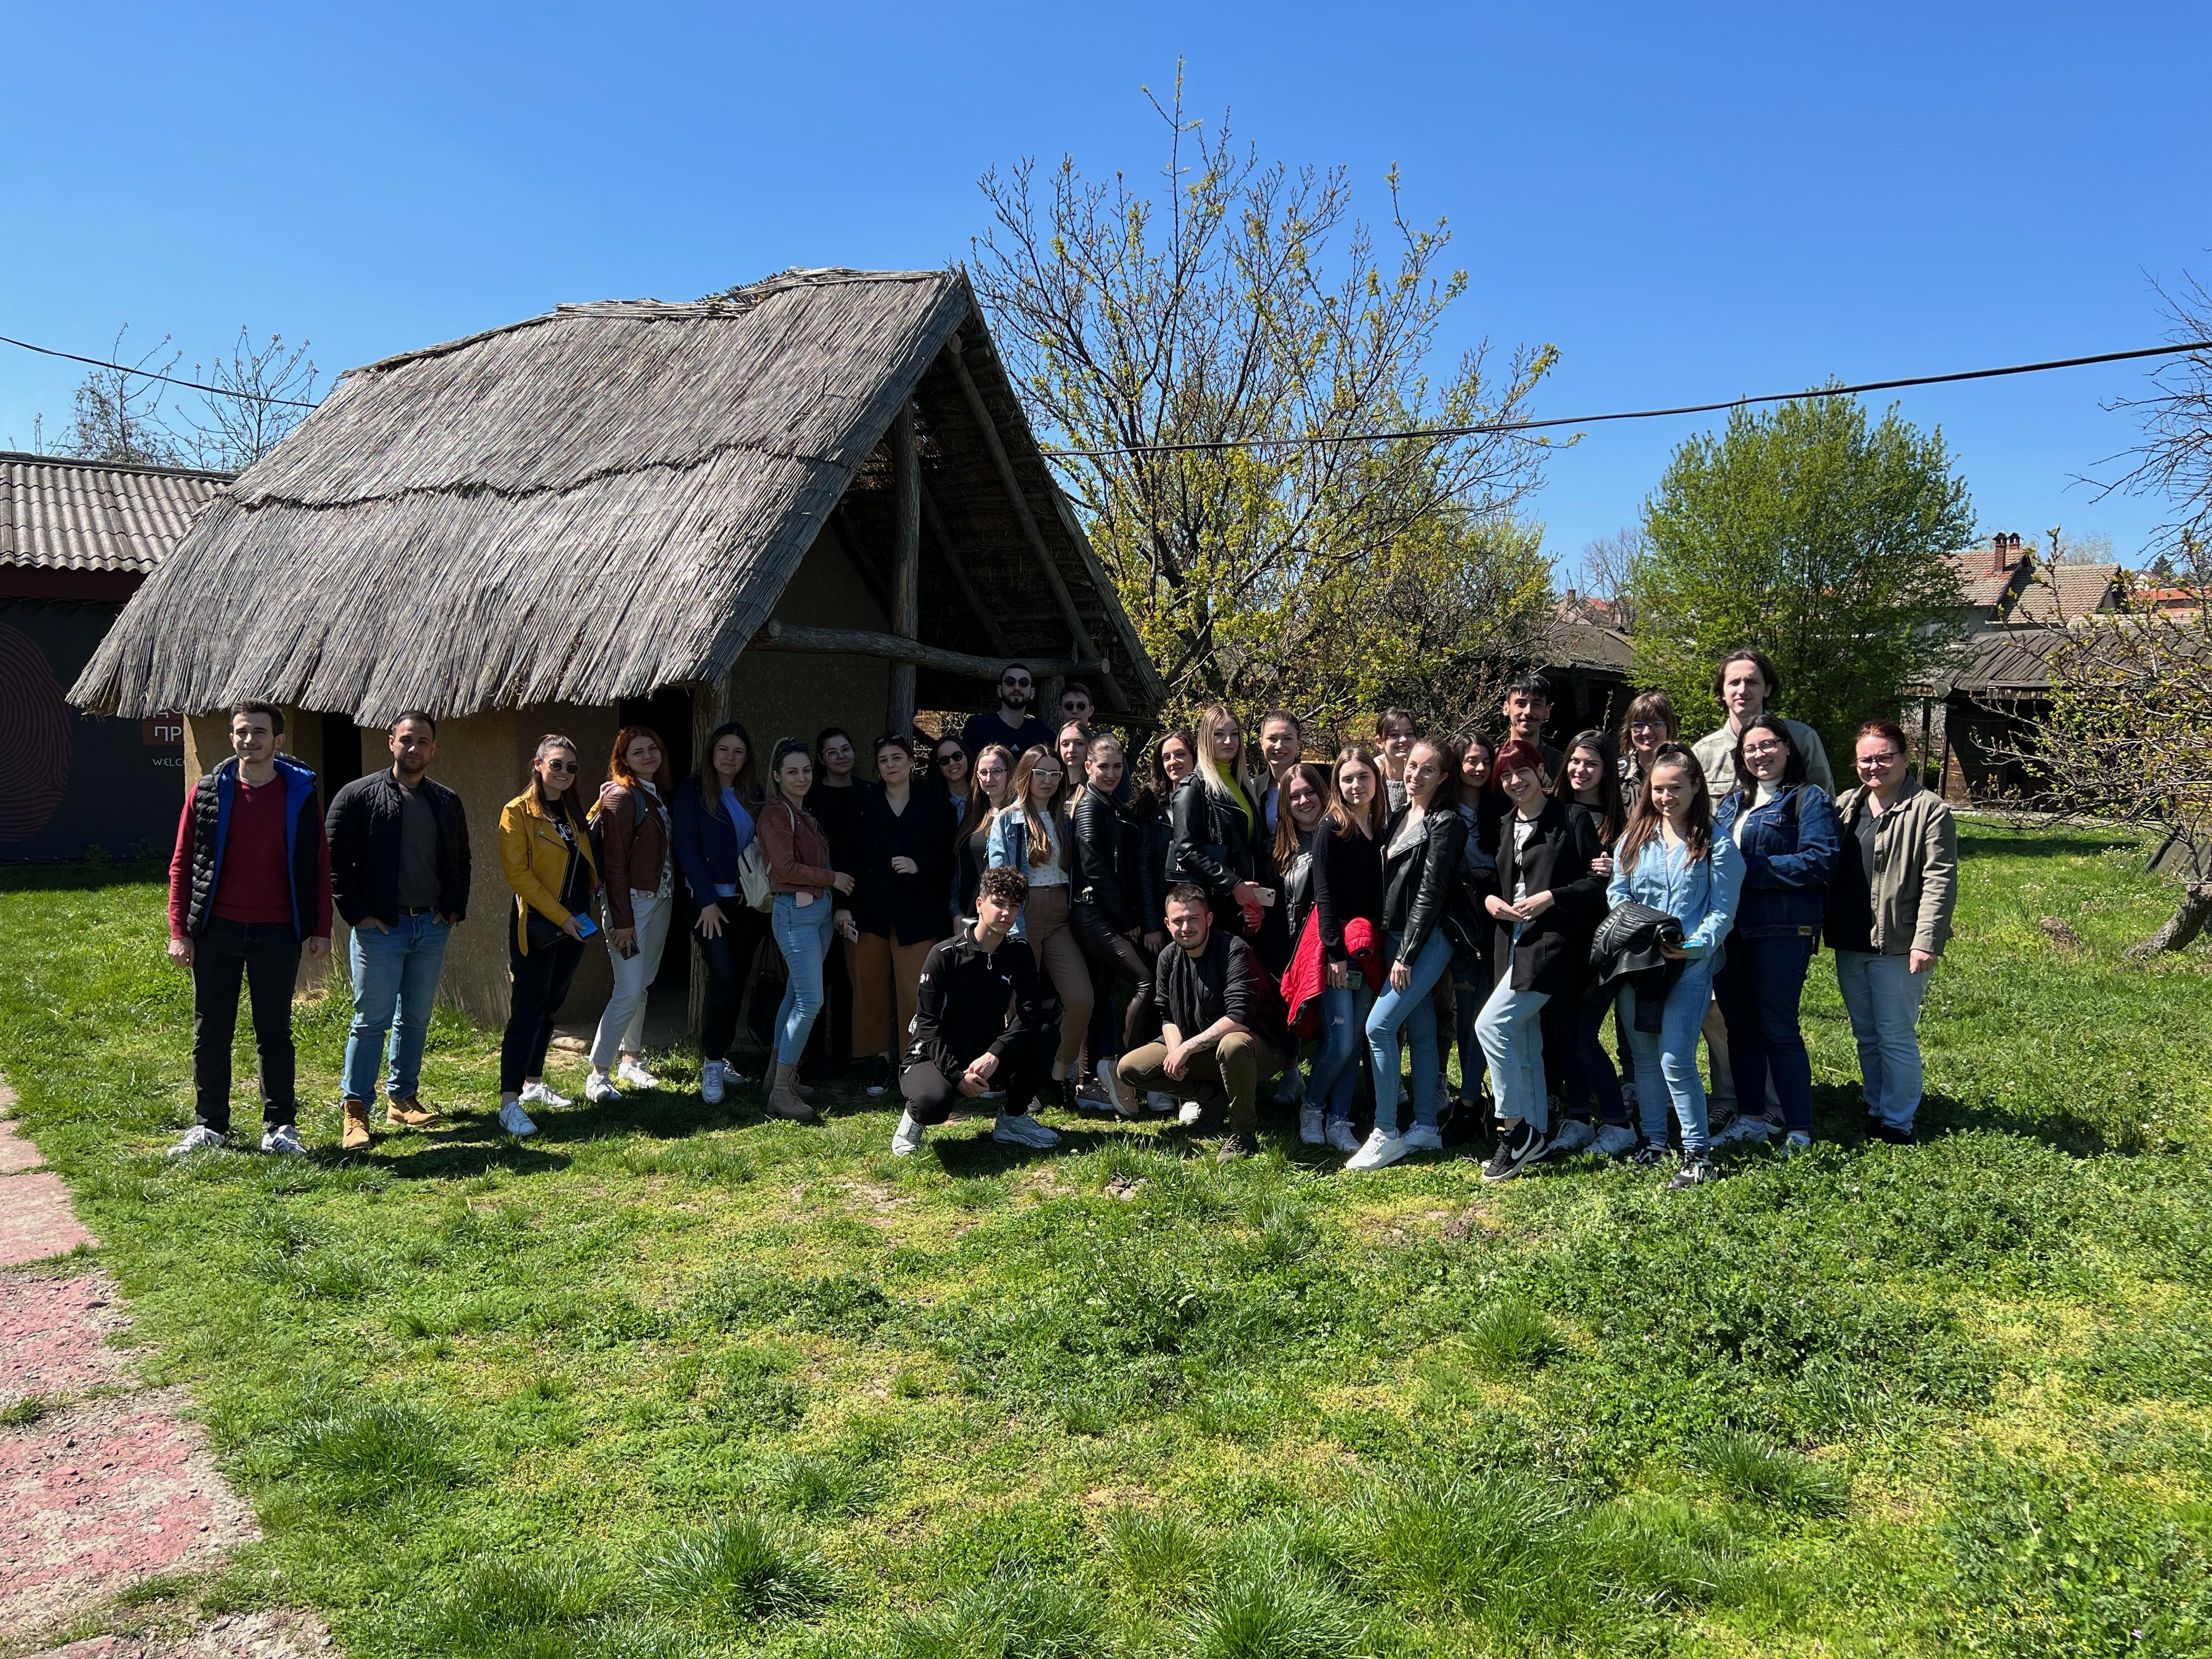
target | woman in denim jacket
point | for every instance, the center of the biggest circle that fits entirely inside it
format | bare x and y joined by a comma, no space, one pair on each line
1786,830
1670,859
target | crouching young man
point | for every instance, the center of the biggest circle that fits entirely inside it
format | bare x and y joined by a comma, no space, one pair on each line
984,1024
1221,1020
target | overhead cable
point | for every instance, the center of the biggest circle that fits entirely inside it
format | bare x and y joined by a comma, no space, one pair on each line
149,374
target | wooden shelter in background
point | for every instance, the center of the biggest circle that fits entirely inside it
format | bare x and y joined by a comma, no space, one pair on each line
811,500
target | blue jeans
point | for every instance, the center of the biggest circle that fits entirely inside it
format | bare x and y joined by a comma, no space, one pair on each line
1335,1072
395,980
1588,1069
1758,991
1882,995
1411,1009
803,934
1511,1030
1670,1054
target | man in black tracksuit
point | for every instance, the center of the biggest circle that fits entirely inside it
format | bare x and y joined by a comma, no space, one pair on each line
984,1024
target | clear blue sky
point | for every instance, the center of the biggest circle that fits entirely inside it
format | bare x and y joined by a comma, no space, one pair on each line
1692,203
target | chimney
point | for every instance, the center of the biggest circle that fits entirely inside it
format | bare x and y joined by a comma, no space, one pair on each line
1998,563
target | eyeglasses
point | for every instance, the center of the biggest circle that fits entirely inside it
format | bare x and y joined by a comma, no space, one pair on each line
1879,761
1762,749
1645,726
1043,776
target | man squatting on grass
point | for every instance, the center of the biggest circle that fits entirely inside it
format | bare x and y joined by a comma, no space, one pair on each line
249,883
984,1024
399,875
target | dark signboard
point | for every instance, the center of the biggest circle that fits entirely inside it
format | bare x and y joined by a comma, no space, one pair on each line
71,782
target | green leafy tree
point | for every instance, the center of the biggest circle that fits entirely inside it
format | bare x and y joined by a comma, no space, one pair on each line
1239,311
1817,536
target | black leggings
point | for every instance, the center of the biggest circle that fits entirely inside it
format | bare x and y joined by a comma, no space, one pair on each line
541,986
1112,955
931,1095
729,959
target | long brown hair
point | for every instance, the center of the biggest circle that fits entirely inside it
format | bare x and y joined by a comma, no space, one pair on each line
747,790
1340,815
567,805
1612,811
1287,831
1643,822
1156,775
979,808
618,768
1044,827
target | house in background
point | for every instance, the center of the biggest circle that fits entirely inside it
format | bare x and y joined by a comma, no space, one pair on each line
814,501
76,540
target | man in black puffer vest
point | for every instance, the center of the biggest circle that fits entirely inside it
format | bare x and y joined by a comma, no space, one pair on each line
249,883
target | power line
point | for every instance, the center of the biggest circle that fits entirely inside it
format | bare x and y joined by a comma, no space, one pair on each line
1486,427
149,374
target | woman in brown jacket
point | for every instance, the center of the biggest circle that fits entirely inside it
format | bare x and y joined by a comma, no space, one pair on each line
632,819
800,876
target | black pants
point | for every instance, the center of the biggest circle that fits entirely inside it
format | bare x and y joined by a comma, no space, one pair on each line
729,959
266,955
541,986
1111,955
1022,1068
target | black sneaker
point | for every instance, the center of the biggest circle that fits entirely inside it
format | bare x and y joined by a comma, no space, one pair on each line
1648,1156
1239,1145
1517,1148
1696,1170
879,1076
1879,1130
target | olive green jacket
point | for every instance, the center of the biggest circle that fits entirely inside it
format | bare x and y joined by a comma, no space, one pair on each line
1916,867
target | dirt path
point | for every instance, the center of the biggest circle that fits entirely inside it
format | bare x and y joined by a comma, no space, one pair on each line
104,1484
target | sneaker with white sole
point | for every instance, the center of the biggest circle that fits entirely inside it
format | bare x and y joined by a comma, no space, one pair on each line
1614,1140
1310,1127
1649,1155
906,1139
1157,1101
515,1120
1422,1138
710,1082
1020,1129
632,1073
881,1078
1380,1149
1796,1142
1697,1168
1340,1134
201,1139
1190,1112
1571,1137
601,1088
1517,1148
543,1094
1749,1126
284,1138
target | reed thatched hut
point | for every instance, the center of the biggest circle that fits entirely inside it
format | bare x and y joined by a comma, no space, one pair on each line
813,500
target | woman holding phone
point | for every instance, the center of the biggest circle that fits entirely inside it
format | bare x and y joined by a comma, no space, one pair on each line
545,852
800,875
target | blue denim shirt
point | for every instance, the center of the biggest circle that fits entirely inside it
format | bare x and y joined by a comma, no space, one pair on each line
1791,846
1700,893
1009,849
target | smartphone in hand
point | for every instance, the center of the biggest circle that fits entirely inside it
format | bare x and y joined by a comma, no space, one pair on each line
585,926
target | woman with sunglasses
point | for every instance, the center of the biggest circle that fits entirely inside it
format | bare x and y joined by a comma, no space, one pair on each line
951,775
545,852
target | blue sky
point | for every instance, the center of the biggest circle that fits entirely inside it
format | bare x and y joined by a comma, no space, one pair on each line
1691,202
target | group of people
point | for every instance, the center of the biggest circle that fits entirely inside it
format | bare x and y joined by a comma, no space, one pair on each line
1014,915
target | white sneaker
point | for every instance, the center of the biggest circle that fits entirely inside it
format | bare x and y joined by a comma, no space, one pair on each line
1342,1135
282,1138
541,1094
906,1139
1571,1137
710,1083
515,1120
1310,1126
1381,1148
1797,1141
199,1138
632,1073
1020,1129
601,1087
1760,1129
1613,1141
1158,1102
1421,1139
1190,1112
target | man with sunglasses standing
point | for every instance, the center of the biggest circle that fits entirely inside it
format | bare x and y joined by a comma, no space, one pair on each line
1014,722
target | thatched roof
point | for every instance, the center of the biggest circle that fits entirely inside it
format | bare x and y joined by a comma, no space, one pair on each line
603,501
60,514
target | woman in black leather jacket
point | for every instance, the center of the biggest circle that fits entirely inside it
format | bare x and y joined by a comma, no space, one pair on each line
1421,848
1215,819
1112,916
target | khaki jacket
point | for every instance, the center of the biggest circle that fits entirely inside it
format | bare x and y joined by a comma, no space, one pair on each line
1715,753
535,859
1916,867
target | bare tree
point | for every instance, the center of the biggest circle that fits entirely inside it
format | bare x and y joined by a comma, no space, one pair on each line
1240,303
118,415
1608,573
255,404
2174,459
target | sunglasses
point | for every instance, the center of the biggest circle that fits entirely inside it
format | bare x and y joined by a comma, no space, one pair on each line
1019,685
560,766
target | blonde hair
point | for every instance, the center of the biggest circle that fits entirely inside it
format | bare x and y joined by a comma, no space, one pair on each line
1024,796
1209,768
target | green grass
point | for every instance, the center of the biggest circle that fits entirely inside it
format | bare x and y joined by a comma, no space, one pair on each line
669,1379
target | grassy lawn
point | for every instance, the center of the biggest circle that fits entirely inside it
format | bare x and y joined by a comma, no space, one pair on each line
672,1380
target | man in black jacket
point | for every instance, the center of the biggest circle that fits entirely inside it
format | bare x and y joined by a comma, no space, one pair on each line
1221,1019
399,875
984,1024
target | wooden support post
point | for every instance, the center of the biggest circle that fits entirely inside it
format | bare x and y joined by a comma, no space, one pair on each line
970,596
1012,484
860,642
906,561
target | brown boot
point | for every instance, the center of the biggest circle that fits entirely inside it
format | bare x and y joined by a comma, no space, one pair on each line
356,1137
407,1113
783,1101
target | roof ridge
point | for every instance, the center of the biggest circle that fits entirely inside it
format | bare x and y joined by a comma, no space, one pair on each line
84,464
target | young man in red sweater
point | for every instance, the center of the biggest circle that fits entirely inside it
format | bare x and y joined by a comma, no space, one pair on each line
249,884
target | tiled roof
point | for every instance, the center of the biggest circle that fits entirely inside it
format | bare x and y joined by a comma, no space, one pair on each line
57,514
2060,592
1985,590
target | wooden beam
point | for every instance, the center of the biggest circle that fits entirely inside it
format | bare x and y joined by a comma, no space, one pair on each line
859,643
1011,482
906,561
970,595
